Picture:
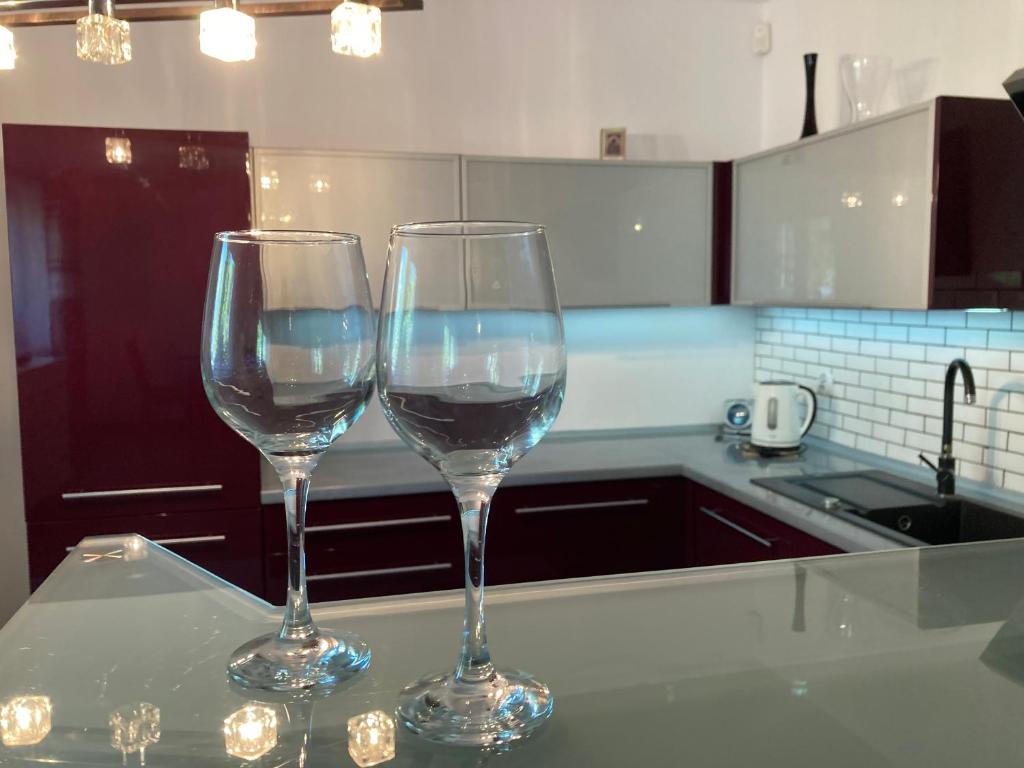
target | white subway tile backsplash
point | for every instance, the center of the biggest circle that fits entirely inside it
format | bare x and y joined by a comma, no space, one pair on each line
902,317
875,348
1006,340
926,335
889,368
966,338
950,318
907,420
996,320
908,351
892,367
988,358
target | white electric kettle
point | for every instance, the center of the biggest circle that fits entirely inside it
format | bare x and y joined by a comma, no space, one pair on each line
777,422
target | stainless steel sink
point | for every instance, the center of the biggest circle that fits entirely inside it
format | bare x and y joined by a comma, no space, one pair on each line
900,509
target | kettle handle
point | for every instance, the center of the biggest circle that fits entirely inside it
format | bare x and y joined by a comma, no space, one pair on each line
812,409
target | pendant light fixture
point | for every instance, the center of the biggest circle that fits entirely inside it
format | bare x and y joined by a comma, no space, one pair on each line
7,52
101,37
226,33
355,29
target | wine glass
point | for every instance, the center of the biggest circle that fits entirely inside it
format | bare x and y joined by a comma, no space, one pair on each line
287,360
864,79
471,373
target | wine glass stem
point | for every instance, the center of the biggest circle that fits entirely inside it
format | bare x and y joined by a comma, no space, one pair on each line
475,660
298,622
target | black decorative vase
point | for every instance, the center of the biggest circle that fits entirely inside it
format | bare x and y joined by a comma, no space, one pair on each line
810,121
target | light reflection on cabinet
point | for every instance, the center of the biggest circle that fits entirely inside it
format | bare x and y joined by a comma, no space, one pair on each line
620,233
362,193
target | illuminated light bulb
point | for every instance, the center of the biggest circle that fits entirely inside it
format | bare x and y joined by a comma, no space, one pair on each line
118,150
135,727
320,184
25,720
851,200
371,738
899,200
355,29
7,52
250,732
100,37
638,227
227,34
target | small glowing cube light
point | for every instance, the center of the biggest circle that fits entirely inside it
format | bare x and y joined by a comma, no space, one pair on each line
118,150
227,34
25,720
371,738
100,37
355,29
7,52
135,727
250,732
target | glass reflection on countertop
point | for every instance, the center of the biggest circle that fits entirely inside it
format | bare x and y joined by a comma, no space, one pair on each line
133,728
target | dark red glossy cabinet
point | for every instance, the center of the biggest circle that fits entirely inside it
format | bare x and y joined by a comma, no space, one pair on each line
110,233
721,530
978,230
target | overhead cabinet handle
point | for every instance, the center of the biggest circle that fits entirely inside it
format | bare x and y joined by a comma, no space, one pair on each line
378,523
379,572
736,527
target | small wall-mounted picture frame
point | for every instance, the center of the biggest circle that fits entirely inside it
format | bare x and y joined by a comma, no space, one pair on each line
613,143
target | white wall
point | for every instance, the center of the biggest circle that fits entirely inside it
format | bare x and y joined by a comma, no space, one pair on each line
938,47
518,77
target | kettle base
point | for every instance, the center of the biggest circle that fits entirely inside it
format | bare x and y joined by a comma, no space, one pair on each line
751,451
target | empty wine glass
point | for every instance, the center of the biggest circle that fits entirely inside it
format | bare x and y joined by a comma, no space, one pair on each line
471,373
864,78
287,360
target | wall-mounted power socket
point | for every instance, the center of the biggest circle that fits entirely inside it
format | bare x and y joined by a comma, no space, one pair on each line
825,383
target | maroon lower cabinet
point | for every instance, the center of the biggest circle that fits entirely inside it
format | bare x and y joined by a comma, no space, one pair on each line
383,545
226,543
721,530
110,234
585,529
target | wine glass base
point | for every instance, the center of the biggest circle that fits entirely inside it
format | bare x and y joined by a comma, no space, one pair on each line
506,707
323,661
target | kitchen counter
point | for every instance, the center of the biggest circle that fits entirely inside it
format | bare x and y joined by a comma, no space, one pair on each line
692,452
907,658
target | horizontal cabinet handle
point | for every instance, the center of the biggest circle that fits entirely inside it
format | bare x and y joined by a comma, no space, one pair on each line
379,572
738,528
590,505
122,492
181,540
378,523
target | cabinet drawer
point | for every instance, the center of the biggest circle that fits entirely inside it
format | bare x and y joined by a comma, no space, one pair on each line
585,529
722,530
227,543
368,547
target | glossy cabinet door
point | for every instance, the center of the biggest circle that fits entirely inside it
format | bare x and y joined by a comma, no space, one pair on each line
620,233
109,262
840,219
362,193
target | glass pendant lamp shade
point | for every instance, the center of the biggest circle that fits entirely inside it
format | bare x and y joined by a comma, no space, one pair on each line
355,29
7,52
101,38
227,34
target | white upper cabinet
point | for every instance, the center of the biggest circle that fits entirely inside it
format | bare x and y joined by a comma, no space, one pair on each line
840,219
620,233
361,193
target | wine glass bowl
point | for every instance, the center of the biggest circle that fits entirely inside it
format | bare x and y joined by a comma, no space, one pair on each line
471,375
288,363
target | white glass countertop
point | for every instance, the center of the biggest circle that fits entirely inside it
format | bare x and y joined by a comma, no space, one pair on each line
909,657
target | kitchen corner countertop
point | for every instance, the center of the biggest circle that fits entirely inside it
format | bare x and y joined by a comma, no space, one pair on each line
696,453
